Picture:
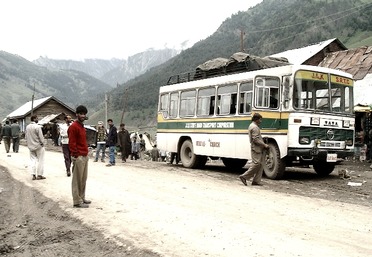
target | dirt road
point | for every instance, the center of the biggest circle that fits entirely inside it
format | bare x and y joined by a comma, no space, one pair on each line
145,208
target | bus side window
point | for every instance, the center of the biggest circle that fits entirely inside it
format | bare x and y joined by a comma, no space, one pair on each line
164,104
233,104
173,111
245,99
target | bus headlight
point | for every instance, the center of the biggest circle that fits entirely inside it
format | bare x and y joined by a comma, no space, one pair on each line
349,142
304,140
315,121
346,123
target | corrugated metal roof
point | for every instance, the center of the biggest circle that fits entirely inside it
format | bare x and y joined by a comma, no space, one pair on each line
300,55
357,62
26,108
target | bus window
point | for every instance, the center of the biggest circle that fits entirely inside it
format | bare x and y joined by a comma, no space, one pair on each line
187,107
227,99
267,93
206,102
173,105
163,107
245,101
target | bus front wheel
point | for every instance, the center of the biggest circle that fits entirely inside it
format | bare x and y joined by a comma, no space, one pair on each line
274,166
187,156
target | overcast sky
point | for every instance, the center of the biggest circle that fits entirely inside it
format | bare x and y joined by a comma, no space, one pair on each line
78,29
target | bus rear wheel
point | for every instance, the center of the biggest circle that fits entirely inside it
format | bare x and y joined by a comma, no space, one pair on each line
231,163
274,167
323,168
188,158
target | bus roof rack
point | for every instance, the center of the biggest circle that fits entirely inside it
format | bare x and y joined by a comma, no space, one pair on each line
237,63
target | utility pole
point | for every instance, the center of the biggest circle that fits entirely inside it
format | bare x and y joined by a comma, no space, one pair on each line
124,104
106,106
242,33
32,101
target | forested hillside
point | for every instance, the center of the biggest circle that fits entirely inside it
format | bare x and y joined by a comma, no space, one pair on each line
270,27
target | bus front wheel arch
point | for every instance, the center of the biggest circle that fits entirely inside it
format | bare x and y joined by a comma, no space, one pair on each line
274,166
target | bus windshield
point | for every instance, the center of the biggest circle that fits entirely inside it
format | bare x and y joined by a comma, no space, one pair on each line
312,92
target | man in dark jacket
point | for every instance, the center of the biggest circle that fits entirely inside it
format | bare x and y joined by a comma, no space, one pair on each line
112,140
6,133
124,142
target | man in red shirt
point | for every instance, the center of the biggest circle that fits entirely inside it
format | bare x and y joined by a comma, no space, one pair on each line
79,155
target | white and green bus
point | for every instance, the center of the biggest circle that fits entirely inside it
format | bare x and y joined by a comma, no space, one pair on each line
307,118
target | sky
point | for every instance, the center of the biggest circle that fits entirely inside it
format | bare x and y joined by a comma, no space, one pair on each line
105,29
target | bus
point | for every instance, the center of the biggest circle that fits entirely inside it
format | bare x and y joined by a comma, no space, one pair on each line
307,118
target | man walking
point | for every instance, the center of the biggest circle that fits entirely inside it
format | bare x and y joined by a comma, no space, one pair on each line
112,140
64,141
78,146
124,142
16,130
6,133
257,152
35,143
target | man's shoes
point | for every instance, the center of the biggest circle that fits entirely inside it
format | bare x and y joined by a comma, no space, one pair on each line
40,177
81,205
108,165
102,160
87,201
68,173
95,161
256,184
33,177
243,180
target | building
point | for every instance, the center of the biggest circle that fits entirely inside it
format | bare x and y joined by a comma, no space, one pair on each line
48,109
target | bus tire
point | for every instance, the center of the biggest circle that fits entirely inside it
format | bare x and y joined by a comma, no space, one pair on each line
187,156
274,166
233,164
323,168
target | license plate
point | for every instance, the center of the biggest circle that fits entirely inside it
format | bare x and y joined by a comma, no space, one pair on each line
332,157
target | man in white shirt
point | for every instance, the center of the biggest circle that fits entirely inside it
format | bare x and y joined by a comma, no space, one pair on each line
64,141
35,143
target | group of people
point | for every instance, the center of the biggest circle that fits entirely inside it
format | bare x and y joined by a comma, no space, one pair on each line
113,138
75,149
10,133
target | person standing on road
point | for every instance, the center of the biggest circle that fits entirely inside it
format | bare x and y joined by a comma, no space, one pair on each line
124,142
77,141
64,142
35,143
6,133
142,149
112,140
101,141
257,152
16,130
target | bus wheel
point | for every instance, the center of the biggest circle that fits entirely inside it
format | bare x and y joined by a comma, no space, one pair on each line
274,167
187,156
231,163
323,168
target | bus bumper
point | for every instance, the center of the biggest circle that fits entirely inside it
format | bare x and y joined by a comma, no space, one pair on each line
319,153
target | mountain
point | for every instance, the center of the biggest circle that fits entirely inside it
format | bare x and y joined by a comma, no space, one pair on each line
269,27
115,70
19,78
